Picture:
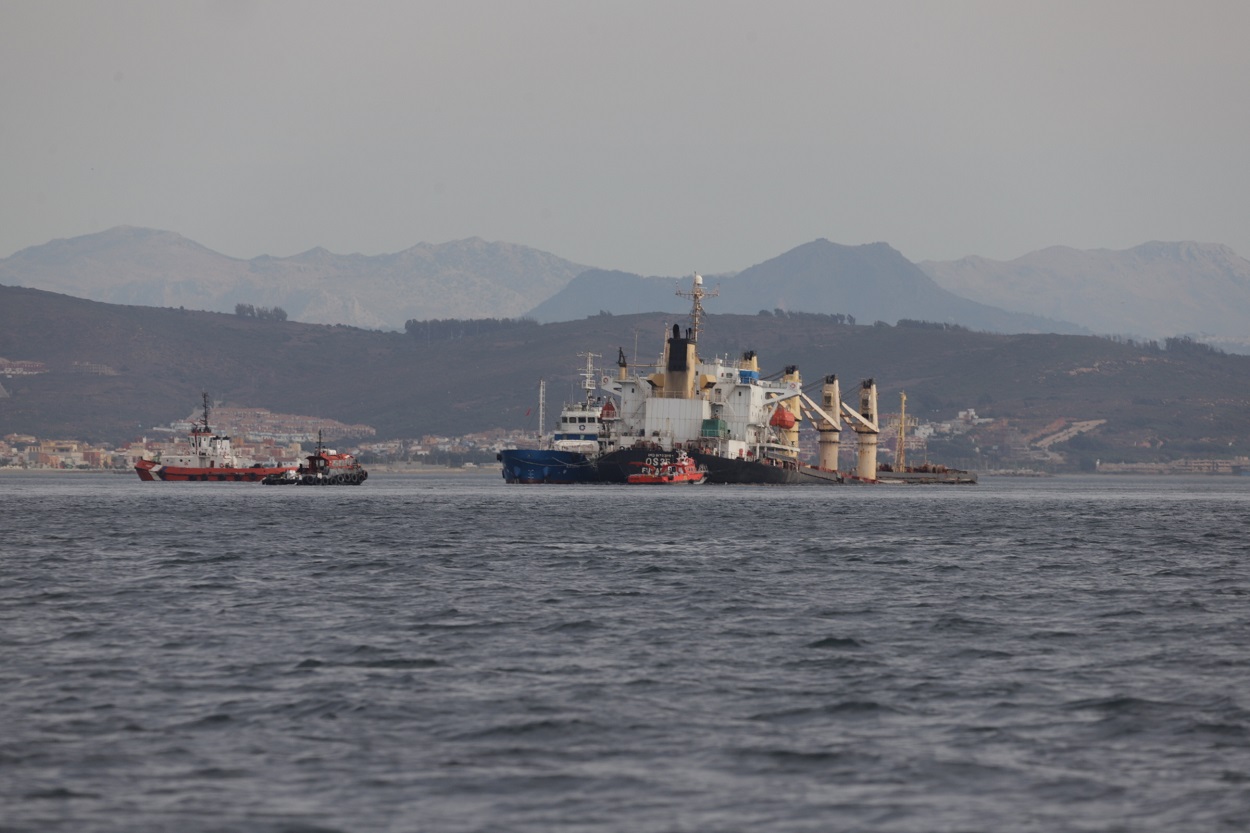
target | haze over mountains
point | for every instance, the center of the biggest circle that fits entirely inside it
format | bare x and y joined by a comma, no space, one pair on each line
464,279
1152,291
869,283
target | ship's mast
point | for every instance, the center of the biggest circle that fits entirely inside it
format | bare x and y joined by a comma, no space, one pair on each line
696,294
207,430
588,375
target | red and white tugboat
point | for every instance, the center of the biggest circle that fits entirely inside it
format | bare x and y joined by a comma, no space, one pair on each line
211,458
326,467
682,470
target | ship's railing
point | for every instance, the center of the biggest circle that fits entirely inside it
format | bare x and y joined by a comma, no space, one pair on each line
664,394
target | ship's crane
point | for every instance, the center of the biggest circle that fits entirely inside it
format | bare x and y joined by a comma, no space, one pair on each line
900,425
866,427
829,428
863,422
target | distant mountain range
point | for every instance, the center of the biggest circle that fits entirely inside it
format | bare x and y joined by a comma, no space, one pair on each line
868,283
1152,291
465,279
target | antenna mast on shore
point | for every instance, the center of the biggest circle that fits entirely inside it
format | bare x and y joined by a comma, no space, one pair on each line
542,407
900,454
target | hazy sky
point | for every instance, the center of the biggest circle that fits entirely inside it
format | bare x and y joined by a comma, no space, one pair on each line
654,137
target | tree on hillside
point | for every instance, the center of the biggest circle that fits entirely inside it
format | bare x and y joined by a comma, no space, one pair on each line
450,329
263,313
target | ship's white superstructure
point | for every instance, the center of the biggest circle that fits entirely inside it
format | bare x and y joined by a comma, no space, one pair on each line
719,407
579,427
730,411
208,450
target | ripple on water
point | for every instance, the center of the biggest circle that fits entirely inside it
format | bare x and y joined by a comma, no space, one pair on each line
460,655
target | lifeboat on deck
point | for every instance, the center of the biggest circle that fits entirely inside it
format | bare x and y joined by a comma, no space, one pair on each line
782,418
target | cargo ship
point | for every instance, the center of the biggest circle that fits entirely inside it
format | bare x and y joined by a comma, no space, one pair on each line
736,425
211,458
730,424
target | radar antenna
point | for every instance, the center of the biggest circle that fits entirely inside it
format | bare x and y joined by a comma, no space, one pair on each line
696,294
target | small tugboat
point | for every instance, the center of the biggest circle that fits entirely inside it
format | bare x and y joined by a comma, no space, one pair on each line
682,470
326,467
211,459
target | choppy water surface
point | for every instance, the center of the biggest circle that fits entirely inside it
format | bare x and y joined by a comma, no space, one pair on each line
455,654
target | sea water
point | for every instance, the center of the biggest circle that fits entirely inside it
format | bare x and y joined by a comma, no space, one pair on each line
456,654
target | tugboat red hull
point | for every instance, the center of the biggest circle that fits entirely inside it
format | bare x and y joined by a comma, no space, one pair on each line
665,479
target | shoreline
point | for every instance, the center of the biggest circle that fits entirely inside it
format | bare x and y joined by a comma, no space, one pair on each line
373,470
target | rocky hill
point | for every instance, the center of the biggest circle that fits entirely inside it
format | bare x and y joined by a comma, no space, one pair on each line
868,283
146,267
113,371
1154,290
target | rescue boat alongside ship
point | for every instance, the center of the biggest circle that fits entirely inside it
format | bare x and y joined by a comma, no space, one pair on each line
211,459
721,415
684,470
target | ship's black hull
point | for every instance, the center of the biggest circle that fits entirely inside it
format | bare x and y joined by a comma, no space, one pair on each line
616,467
527,466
